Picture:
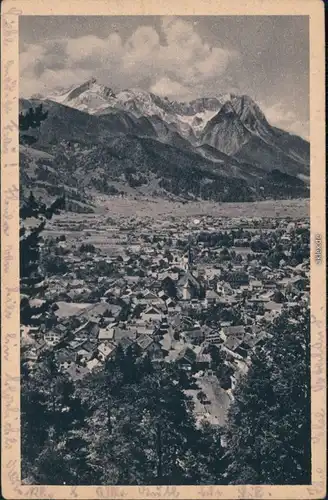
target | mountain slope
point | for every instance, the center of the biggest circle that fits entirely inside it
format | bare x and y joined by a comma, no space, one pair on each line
189,119
88,149
241,129
136,141
228,122
40,172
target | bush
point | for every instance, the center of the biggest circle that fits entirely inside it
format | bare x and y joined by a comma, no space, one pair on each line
54,264
87,248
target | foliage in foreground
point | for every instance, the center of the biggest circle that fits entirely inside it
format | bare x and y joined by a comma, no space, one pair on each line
132,423
269,428
129,424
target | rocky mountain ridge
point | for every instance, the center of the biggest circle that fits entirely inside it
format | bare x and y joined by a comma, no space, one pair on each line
221,148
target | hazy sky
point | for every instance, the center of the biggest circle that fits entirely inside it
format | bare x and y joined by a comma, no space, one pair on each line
265,57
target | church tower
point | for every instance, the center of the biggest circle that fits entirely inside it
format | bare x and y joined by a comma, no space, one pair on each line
189,264
188,257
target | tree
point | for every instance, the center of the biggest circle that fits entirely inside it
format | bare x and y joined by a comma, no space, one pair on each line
63,461
31,119
279,296
269,421
168,255
224,254
31,276
259,245
169,287
128,424
206,464
51,414
54,264
176,335
87,247
217,358
143,430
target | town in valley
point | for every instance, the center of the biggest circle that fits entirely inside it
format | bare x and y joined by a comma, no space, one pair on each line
177,288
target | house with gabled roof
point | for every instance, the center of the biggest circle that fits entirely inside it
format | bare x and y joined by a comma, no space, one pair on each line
186,358
203,361
121,333
213,337
144,342
194,335
151,314
273,306
83,356
52,338
211,298
87,330
125,343
255,285
150,296
232,331
106,334
93,364
33,351
105,351
150,346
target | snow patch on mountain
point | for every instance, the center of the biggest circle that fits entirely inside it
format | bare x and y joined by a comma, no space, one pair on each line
198,121
189,118
89,97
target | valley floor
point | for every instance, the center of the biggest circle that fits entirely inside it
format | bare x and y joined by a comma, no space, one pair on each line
152,207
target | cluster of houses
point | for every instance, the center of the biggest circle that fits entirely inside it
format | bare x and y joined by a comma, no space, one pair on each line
187,302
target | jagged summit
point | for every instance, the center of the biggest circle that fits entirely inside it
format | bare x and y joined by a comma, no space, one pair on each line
189,119
89,96
227,135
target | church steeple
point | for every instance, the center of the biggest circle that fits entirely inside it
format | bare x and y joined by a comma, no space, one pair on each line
188,256
189,266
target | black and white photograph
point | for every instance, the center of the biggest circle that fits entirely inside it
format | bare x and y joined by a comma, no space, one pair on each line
164,246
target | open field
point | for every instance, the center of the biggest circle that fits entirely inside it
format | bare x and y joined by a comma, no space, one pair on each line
117,219
296,208
119,209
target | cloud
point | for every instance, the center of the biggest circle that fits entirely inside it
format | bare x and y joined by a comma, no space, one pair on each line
29,58
279,115
175,60
165,87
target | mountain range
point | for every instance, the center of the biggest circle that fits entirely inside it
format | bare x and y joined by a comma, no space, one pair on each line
220,148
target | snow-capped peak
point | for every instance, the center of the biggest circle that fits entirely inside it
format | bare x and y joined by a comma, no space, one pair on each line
189,118
90,96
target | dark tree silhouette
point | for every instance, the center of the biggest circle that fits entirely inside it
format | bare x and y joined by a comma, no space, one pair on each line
33,216
269,421
32,118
